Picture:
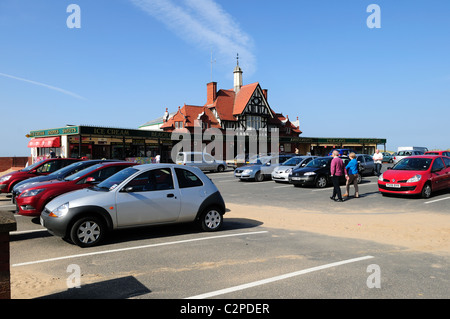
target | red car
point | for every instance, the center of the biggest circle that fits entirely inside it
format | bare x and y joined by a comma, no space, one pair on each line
43,167
442,153
33,199
416,175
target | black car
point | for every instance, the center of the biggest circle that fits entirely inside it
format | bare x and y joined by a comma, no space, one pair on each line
316,173
59,174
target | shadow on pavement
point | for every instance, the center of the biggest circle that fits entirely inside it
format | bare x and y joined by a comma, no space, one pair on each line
120,288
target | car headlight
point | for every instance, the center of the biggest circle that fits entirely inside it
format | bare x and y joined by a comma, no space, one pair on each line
5,178
32,192
60,211
414,179
247,171
288,170
380,178
309,173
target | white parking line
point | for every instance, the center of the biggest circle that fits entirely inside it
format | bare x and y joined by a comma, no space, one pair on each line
133,248
436,200
8,207
28,231
290,185
276,278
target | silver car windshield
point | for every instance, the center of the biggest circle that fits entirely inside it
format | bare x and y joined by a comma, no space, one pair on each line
112,182
294,161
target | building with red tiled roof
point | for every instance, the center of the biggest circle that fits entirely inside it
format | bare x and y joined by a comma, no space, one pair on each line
243,108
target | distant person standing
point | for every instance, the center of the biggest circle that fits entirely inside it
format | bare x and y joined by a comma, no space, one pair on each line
352,176
157,159
337,171
378,160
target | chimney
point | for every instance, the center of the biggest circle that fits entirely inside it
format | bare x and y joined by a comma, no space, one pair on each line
265,93
211,92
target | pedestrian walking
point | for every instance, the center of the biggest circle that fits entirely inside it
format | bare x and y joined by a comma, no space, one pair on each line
337,172
378,160
352,175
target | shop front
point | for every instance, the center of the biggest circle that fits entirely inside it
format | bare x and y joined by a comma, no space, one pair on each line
93,142
322,146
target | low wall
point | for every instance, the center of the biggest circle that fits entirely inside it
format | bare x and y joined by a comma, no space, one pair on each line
7,224
8,162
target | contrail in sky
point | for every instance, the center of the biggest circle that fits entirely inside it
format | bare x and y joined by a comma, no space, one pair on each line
206,24
44,85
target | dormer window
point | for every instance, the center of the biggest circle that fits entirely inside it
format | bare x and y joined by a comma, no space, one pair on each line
178,124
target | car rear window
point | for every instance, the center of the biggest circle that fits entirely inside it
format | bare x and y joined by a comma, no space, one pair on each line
446,161
187,179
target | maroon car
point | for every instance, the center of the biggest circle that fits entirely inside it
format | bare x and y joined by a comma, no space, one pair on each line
33,199
43,167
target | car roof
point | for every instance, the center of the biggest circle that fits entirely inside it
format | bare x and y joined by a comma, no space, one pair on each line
143,167
424,156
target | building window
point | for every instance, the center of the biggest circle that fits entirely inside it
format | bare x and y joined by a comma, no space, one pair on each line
178,124
229,124
253,122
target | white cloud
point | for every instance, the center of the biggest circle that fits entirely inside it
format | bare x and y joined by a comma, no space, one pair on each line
205,24
54,88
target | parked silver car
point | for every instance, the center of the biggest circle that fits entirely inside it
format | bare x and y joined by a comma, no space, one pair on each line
137,196
281,173
402,154
260,168
201,160
366,164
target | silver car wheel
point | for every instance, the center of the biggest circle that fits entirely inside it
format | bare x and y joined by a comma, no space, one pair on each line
321,182
88,232
426,191
213,219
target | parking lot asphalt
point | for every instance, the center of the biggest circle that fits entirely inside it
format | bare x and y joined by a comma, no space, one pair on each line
248,258
286,195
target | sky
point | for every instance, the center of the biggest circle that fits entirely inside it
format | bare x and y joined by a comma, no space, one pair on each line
129,60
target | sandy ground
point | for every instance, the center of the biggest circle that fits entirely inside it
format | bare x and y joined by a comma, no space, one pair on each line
423,232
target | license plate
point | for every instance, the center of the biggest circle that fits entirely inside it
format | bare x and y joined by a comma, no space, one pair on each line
393,185
296,178
238,174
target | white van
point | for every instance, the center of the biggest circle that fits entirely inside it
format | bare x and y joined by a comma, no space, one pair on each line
405,151
201,160
412,148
